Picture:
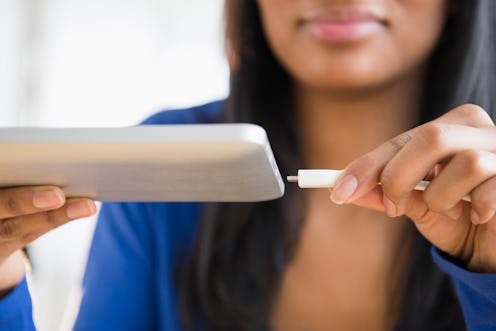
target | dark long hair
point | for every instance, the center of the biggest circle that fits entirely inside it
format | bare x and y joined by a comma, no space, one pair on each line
241,249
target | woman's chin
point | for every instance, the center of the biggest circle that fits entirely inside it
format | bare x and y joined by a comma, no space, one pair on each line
343,84
352,73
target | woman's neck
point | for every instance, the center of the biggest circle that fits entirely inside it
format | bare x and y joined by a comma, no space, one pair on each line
346,258
336,128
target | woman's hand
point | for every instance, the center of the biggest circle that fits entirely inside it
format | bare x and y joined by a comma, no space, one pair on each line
457,153
25,214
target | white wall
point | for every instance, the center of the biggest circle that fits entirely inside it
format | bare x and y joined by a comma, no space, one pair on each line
12,37
111,62
100,63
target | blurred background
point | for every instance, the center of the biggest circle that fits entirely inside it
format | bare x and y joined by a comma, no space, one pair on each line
73,63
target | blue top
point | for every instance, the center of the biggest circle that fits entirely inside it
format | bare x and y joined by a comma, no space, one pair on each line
129,280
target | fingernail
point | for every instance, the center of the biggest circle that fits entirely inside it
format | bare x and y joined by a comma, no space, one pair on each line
48,199
79,209
344,189
474,217
389,206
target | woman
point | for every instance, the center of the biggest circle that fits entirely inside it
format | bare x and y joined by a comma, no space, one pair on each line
337,84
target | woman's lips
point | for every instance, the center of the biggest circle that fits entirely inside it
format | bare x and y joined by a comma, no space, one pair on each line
343,26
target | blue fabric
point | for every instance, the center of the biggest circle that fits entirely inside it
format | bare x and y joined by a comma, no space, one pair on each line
15,309
476,292
129,282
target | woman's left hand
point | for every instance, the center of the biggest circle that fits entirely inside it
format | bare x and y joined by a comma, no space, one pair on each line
457,153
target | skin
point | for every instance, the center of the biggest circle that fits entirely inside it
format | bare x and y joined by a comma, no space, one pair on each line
27,213
366,94
357,105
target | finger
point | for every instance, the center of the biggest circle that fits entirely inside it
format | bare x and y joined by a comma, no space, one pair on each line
462,174
467,114
420,148
7,248
374,200
445,231
431,144
27,227
483,258
362,175
434,172
456,212
484,202
29,200
436,140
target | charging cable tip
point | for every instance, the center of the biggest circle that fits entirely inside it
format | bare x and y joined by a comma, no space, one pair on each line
292,179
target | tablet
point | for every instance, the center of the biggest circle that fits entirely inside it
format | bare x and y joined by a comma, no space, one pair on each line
203,162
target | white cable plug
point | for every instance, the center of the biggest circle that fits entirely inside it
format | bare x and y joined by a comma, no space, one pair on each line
326,178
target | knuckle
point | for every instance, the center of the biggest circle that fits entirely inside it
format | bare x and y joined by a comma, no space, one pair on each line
400,141
472,163
482,204
8,228
474,112
51,219
435,135
12,205
484,197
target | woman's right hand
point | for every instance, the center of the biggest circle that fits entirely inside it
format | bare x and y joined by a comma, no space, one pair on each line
27,213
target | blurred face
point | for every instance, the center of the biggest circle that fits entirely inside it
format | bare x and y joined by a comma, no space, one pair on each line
347,45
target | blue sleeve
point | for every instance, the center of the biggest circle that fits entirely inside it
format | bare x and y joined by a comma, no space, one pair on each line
476,292
118,291
207,113
16,310
129,277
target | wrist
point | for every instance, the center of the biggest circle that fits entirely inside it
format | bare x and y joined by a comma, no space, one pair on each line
12,271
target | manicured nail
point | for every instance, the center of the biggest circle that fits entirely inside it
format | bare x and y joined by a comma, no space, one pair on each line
389,206
48,199
81,208
344,189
